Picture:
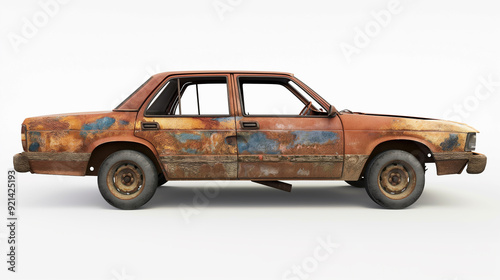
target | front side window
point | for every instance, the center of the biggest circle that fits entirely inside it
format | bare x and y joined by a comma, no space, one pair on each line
198,96
276,96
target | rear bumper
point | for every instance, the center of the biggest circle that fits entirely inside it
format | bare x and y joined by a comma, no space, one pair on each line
64,163
454,163
21,163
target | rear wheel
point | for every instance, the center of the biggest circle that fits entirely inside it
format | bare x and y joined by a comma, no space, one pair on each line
395,179
127,179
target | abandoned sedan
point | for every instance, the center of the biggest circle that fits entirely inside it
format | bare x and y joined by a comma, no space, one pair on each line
258,126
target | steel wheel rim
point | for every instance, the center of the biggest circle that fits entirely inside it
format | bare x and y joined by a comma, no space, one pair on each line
397,180
125,180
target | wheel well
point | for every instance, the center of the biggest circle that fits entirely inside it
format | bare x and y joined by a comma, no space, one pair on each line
101,152
418,150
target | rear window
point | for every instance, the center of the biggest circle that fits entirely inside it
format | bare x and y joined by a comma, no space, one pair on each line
132,94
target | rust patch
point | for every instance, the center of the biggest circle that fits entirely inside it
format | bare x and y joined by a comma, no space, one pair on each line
450,143
76,168
477,163
455,166
21,163
353,166
288,170
63,156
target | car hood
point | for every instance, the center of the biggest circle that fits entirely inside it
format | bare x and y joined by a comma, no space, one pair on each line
369,121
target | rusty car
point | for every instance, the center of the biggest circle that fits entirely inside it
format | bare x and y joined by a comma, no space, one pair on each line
265,127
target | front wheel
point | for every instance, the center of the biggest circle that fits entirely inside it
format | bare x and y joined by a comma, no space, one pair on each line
395,179
127,179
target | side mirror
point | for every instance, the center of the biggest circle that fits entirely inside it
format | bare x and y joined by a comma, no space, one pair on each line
331,112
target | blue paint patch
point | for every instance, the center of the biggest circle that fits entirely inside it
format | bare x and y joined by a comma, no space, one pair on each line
313,137
184,137
189,150
98,126
258,143
224,119
34,139
122,122
450,143
34,147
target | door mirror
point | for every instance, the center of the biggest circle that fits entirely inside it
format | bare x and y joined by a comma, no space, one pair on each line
331,112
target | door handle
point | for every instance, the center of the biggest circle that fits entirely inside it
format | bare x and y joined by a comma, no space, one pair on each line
150,126
250,125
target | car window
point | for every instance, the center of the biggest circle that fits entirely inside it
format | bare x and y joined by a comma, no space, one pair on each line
198,96
274,96
204,99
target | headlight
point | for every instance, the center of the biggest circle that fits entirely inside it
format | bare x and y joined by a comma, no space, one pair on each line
470,143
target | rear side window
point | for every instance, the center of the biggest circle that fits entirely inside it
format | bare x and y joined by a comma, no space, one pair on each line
198,96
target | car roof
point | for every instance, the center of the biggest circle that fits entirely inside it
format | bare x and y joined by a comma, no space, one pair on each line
203,72
135,100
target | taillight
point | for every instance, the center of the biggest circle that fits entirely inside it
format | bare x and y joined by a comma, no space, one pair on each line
23,137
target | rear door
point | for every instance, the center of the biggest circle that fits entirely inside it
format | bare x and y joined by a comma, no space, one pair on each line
192,126
283,136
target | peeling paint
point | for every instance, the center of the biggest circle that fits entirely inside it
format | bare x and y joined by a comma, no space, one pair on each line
34,139
258,143
225,119
450,143
97,126
189,150
303,172
34,147
184,137
123,122
313,137
266,170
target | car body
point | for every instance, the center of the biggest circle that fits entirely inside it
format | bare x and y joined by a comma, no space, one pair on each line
259,126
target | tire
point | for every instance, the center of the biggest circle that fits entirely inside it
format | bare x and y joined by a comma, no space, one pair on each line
361,183
395,179
127,179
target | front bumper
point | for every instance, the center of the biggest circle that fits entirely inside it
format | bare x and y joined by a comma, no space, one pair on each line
477,163
454,163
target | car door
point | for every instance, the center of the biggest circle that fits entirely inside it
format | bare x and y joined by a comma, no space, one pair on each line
275,141
191,124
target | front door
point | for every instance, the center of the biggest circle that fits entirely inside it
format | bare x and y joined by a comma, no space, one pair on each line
284,133
190,123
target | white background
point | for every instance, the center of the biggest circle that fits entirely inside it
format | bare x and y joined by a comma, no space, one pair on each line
427,60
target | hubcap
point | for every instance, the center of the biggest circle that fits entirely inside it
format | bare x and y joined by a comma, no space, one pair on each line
397,180
125,180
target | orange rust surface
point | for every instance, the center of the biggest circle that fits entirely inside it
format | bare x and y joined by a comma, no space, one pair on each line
306,139
364,132
300,147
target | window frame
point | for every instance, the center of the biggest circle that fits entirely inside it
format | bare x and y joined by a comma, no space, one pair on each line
242,99
157,91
